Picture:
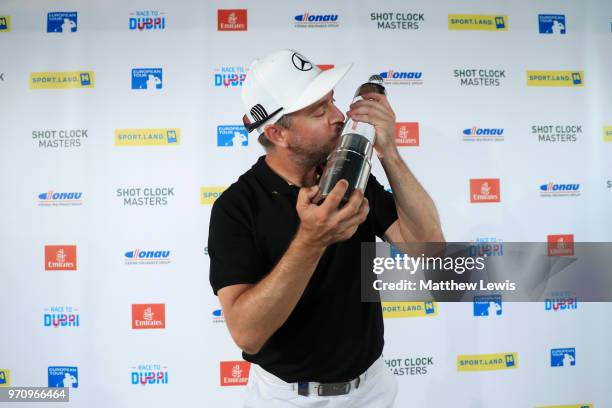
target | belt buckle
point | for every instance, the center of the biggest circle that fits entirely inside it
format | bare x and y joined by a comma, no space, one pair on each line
331,389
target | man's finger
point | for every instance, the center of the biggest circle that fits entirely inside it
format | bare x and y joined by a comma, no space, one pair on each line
358,218
363,117
377,97
351,207
306,195
364,210
370,107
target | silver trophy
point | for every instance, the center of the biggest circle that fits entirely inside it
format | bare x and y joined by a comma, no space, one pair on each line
352,158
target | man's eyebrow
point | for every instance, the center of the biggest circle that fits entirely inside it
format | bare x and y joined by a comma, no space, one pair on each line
322,102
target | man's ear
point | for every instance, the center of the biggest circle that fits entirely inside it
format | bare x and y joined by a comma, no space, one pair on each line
276,135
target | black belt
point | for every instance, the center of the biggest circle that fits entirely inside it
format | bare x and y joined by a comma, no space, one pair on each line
306,388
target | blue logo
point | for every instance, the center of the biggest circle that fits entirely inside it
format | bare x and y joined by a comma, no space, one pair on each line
395,251
147,257
63,377
138,254
490,305
3,26
561,303
147,20
552,23
171,136
486,246
234,136
316,17
147,78
557,190
307,20
62,22
229,76
429,307
54,198
563,357
510,360
559,187
217,316
483,134
476,131
402,77
144,374
53,195
61,316
85,79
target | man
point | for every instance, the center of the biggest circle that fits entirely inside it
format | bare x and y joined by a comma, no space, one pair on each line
286,270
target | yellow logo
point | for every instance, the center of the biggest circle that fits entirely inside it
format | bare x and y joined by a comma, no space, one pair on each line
61,80
477,22
607,133
5,377
5,23
208,195
409,309
569,406
147,137
486,362
555,78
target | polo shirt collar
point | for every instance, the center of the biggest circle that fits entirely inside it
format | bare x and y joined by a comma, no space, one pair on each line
271,180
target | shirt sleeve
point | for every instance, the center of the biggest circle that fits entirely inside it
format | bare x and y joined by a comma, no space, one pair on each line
234,257
383,212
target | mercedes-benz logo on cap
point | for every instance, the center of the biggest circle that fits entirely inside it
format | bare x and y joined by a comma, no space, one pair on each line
300,62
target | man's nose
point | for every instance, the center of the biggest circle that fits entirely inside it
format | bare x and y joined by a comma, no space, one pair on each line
338,116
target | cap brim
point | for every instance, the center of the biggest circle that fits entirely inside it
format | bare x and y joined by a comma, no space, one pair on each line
319,87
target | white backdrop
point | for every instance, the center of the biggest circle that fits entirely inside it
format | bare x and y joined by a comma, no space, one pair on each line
144,166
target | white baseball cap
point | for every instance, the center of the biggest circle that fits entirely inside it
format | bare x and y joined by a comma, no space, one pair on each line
284,82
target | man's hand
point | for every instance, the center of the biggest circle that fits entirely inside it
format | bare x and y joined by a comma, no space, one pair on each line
325,224
376,110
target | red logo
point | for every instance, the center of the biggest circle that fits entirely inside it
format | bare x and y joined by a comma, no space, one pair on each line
561,245
149,316
325,67
407,133
484,191
60,258
232,20
234,373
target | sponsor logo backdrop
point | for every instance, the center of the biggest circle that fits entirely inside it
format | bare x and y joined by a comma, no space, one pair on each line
121,124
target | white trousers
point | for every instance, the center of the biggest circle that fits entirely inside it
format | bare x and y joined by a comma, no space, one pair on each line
265,390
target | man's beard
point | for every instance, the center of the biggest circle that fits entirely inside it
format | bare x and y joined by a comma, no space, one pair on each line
308,155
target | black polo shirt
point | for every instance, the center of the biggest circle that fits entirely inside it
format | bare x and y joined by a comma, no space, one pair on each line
330,335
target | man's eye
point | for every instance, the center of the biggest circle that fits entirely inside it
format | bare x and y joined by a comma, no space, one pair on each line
319,113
